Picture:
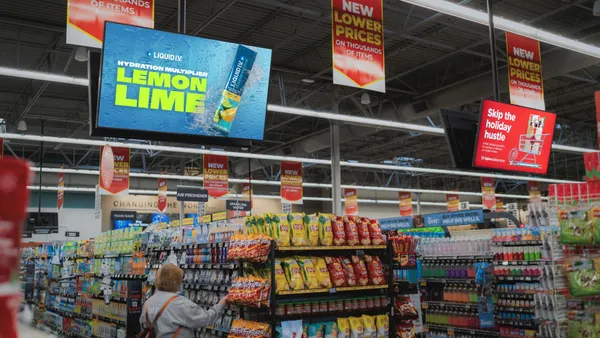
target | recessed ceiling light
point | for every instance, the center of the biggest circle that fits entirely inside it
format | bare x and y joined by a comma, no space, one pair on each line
308,80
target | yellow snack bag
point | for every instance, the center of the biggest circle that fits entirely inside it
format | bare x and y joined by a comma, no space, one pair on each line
309,274
357,327
281,283
343,328
260,225
383,326
311,223
299,237
322,272
292,273
325,230
249,226
284,229
370,327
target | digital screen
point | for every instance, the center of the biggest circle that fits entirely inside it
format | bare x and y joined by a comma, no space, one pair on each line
514,138
461,133
167,86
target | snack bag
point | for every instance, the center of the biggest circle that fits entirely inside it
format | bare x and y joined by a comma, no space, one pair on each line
351,231
311,223
362,224
304,330
360,269
343,325
281,283
339,233
292,328
370,327
375,269
299,237
268,228
330,330
322,273
325,229
350,274
292,273
576,226
357,327
337,273
405,331
383,326
405,307
284,229
309,273
375,233
249,229
315,330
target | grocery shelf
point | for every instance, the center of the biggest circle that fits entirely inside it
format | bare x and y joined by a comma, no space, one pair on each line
230,266
519,296
326,248
502,308
507,263
518,278
475,257
452,329
448,280
213,287
335,314
518,243
332,290
426,304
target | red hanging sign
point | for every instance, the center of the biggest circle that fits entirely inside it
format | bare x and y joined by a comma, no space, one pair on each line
216,175
535,194
162,194
525,71
351,202
597,101
60,200
291,182
488,191
406,208
358,53
114,170
499,203
591,161
453,202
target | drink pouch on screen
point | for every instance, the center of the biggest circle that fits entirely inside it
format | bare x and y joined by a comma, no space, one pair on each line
232,95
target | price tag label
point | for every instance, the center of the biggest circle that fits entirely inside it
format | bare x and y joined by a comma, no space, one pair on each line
332,290
451,332
425,306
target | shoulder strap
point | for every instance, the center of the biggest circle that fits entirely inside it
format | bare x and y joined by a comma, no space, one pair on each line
163,308
177,332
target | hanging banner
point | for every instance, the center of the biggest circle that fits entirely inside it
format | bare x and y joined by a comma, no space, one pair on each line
291,182
453,202
114,170
216,175
597,100
488,191
85,18
357,44
535,195
395,223
591,161
405,199
464,217
351,202
526,86
499,203
162,194
60,200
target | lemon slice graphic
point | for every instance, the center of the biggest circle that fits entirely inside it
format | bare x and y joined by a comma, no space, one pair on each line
229,114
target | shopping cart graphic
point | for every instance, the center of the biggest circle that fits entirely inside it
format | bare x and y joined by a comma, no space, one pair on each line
530,145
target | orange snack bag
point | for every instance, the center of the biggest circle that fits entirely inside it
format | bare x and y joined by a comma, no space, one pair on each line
351,231
339,233
375,233
375,269
350,274
360,269
337,273
363,230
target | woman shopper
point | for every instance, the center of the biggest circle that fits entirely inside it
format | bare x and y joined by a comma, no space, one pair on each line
168,315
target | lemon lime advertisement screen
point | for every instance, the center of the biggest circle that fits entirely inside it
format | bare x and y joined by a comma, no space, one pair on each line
173,87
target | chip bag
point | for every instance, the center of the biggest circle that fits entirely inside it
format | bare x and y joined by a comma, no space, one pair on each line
292,328
362,224
383,326
322,272
360,269
343,327
281,283
330,330
375,269
337,273
292,273
375,233
339,233
282,221
315,330
309,273
351,231
299,237
405,331
349,269
370,327
311,223
325,229
357,327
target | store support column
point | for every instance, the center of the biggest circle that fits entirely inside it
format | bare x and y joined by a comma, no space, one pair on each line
336,172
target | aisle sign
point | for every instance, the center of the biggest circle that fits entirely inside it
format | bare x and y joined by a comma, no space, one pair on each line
395,223
86,18
535,194
162,194
190,194
351,201
114,170
513,138
97,203
488,192
406,208
291,182
453,202
237,205
60,199
454,218
216,175
525,81
357,44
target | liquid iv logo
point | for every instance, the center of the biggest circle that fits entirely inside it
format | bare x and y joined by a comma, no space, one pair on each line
165,56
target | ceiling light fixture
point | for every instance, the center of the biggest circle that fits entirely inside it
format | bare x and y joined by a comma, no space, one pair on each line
308,80
81,54
22,125
365,98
